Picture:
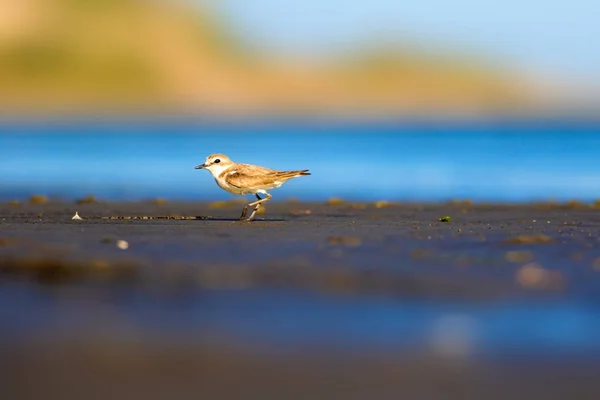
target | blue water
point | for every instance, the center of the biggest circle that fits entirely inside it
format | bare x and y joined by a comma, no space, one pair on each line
493,161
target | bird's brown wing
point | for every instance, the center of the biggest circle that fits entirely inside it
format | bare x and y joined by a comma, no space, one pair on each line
251,176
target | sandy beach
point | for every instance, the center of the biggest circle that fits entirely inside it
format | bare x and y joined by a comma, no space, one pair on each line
156,299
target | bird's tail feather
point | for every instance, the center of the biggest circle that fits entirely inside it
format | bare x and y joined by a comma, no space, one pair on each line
293,174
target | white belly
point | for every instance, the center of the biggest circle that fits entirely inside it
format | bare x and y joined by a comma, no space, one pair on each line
241,191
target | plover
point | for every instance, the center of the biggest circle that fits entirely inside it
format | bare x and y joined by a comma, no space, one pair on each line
241,179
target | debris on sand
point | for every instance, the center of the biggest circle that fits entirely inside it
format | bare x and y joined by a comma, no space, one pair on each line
445,218
569,205
351,241
529,239
334,201
574,204
219,204
519,256
149,217
50,270
301,212
261,211
38,199
76,217
87,200
383,204
122,244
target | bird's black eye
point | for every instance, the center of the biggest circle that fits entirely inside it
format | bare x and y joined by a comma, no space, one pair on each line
217,161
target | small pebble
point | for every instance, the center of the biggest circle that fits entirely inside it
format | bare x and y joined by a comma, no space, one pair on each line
122,244
301,212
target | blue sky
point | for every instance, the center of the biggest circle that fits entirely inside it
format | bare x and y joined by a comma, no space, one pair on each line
556,36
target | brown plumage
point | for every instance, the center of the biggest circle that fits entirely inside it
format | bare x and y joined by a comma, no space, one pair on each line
243,179
250,176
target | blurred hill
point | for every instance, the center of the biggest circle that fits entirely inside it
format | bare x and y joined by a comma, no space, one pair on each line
77,56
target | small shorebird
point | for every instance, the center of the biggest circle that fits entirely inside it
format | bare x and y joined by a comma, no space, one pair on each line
241,179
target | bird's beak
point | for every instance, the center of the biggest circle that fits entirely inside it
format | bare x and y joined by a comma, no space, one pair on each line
202,166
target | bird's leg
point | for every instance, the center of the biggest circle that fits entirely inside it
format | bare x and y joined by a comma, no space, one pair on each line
245,210
258,205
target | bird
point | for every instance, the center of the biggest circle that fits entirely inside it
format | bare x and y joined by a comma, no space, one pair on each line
242,179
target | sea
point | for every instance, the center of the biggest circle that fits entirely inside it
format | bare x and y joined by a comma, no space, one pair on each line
494,161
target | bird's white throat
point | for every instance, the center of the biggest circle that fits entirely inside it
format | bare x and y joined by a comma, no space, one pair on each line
216,169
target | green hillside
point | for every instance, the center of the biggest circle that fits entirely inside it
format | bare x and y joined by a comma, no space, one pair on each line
77,55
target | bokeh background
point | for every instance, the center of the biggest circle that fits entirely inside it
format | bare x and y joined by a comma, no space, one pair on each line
262,57
424,100
385,102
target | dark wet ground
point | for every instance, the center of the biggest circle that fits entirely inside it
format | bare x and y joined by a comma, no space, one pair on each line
347,301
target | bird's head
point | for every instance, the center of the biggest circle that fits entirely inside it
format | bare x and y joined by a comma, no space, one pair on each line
216,163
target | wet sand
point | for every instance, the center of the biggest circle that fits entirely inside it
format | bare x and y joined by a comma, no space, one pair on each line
287,306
